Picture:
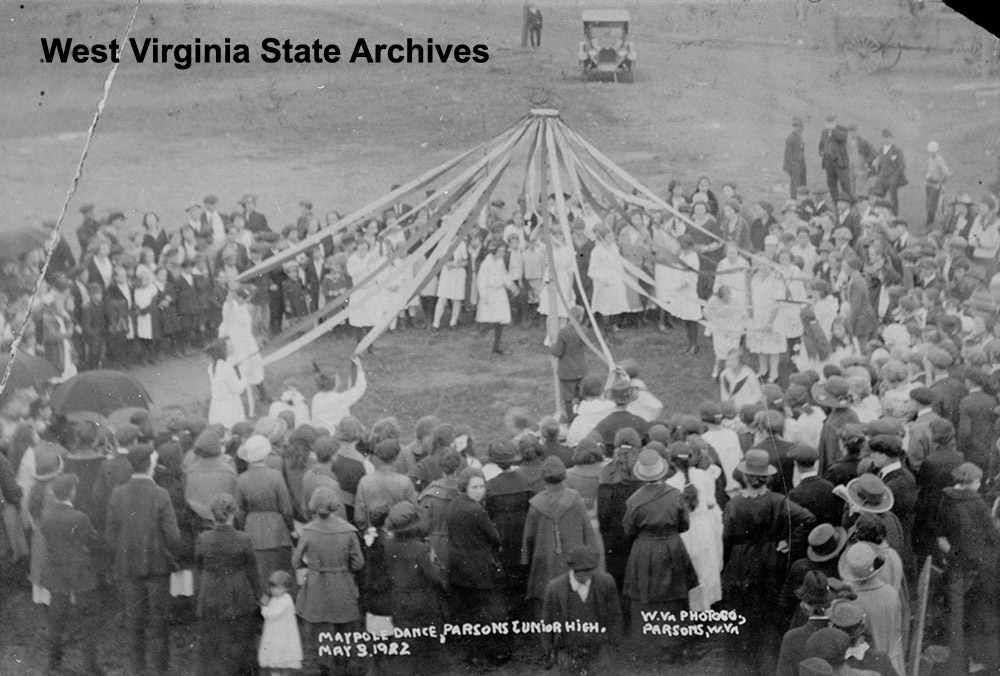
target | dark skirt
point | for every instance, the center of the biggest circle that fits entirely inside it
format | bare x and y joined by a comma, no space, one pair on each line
659,570
228,647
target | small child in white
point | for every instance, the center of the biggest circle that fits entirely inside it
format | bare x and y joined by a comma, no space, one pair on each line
280,646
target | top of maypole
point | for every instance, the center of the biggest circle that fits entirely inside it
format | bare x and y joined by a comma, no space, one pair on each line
544,112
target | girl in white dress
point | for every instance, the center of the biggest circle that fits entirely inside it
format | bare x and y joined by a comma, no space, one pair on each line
664,241
493,282
726,318
226,406
703,540
609,298
451,286
280,651
763,337
565,262
144,295
680,289
362,312
237,326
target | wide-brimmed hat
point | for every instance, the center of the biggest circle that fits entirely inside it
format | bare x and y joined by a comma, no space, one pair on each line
826,542
48,460
403,517
650,466
870,494
859,563
255,449
756,463
834,393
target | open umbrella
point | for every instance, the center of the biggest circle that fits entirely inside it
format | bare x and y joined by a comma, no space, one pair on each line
16,243
28,371
102,392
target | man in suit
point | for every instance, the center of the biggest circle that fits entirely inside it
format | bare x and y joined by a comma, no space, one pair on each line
977,419
768,427
834,155
862,321
890,168
571,364
861,155
950,390
795,157
143,534
399,209
62,260
213,224
68,573
811,490
920,442
887,456
86,230
847,217
255,221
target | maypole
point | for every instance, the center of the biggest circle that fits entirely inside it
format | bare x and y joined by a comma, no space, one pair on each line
552,320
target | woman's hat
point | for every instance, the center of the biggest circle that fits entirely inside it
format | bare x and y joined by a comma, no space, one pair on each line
272,429
48,460
503,452
350,429
834,393
255,449
859,563
621,391
814,589
650,466
403,517
553,470
826,542
756,463
829,646
870,494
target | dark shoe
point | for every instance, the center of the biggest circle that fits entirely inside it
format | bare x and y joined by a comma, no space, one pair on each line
500,352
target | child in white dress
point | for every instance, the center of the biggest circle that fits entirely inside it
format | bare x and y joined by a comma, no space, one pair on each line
280,646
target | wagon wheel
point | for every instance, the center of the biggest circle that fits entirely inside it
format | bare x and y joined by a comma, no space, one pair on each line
889,55
968,56
863,54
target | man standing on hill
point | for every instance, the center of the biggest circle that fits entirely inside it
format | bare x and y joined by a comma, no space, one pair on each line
534,19
795,157
836,163
890,171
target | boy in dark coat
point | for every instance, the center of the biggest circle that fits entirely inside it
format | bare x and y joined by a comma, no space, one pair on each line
571,363
68,574
970,541
583,594
187,305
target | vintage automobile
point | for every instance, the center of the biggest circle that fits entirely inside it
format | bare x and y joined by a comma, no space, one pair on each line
606,50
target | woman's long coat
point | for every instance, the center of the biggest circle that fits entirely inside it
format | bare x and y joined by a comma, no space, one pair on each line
557,522
331,549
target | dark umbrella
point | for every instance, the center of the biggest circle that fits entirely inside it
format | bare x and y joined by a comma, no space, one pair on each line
102,392
16,243
28,371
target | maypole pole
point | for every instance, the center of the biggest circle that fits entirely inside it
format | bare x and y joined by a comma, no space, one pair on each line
552,320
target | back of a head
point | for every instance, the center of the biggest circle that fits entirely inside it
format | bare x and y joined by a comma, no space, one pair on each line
549,428
324,501
325,447
140,457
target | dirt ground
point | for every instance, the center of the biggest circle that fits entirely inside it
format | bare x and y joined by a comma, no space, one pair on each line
717,84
